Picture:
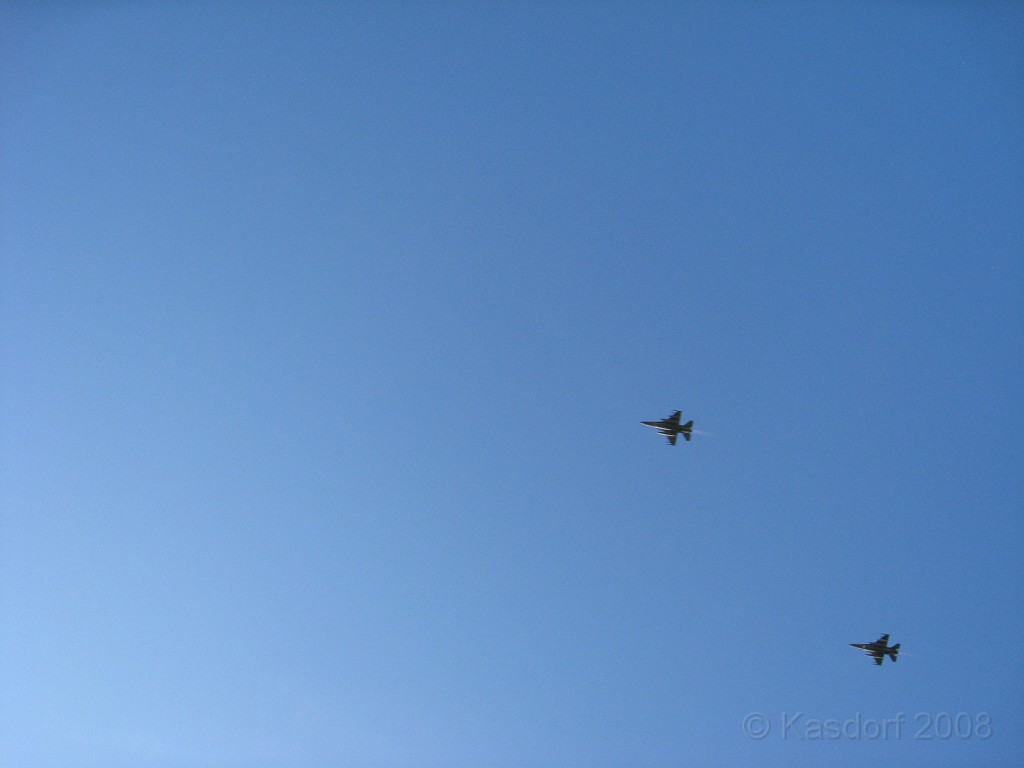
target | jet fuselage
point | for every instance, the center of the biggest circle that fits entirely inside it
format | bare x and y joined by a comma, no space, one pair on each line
879,649
668,427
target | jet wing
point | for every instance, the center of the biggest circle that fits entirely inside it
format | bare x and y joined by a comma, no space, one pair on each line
672,438
883,640
877,657
674,418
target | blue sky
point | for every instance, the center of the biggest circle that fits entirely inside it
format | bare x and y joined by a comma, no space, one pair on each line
327,330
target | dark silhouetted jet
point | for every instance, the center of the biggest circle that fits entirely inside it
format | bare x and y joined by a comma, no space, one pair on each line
879,649
671,428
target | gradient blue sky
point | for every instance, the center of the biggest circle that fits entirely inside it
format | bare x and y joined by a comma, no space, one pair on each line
327,330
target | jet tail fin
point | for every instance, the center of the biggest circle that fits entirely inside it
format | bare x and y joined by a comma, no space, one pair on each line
894,652
686,429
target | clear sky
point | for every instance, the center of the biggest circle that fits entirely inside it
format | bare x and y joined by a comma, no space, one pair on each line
328,329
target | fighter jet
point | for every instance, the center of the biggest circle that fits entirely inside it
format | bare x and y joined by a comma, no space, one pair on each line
671,428
879,649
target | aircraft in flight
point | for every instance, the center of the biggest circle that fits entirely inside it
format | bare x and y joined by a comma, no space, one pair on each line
671,428
879,649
